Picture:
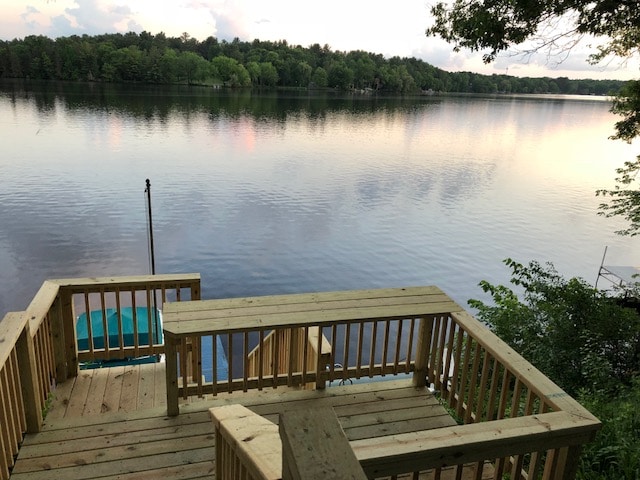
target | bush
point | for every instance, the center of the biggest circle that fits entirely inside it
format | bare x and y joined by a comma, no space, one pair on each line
577,335
585,341
616,451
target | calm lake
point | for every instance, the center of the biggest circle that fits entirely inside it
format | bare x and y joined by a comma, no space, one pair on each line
295,192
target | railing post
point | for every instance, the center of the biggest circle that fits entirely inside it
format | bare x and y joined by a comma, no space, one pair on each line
57,334
562,463
69,332
425,327
171,371
26,354
195,290
323,360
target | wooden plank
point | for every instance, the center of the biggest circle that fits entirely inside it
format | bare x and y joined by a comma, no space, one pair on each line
109,454
400,426
146,386
389,404
129,396
115,424
192,471
65,300
279,401
254,440
59,401
179,326
111,400
207,309
155,431
41,303
390,411
470,443
94,284
94,404
78,399
301,298
29,380
10,330
123,466
314,447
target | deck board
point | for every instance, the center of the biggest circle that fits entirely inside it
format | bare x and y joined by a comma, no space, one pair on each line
98,429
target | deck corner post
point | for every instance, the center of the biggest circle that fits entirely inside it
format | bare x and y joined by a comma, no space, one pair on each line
171,371
195,290
57,334
69,332
422,352
29,380
562,463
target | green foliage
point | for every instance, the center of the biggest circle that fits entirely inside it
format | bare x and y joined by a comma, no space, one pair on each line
575,334
625,197
158,59
496,25
615,453
587,343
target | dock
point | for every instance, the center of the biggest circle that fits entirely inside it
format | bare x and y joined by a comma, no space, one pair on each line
407,383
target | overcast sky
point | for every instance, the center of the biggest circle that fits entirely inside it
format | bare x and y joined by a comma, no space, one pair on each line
389,28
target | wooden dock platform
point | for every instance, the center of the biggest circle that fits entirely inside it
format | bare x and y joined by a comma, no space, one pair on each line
153,421
97,429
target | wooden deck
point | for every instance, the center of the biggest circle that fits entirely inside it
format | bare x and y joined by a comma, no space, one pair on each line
114,423
97,429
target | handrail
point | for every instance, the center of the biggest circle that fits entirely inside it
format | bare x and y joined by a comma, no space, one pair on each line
485,382
291,357
38,347
512,419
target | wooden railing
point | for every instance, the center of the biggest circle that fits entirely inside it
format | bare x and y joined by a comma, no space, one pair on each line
272,356
288,350
304,444
513,421
38,347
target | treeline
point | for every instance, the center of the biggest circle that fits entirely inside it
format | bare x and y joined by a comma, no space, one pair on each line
158,59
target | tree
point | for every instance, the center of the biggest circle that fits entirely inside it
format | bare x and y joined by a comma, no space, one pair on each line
625,198
268,74
340,76
193,67
320,78
495,26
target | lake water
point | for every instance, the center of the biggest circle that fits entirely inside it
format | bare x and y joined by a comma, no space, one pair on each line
281,193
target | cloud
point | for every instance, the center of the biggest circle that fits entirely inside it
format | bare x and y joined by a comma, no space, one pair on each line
92,17
28,12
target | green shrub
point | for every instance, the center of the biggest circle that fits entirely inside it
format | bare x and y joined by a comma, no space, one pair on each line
588,343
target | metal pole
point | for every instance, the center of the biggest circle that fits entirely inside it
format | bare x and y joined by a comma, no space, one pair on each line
153,258
152,338
601,265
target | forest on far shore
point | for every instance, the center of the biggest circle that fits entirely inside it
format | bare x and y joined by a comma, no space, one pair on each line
158,59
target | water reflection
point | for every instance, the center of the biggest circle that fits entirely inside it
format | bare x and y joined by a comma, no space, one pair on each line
275,193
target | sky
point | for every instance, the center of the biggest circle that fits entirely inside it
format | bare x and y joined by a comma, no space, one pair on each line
373,26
